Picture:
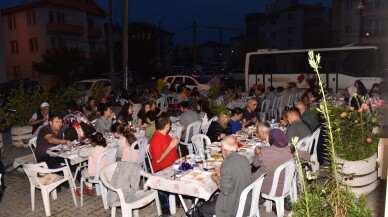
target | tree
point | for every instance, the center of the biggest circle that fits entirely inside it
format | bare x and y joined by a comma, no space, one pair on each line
62,63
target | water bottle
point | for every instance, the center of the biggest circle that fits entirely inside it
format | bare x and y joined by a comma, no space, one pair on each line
201,155
192,158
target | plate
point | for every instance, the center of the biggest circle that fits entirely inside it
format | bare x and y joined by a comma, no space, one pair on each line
215,144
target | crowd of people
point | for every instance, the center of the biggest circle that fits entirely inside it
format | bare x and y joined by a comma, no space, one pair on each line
74,126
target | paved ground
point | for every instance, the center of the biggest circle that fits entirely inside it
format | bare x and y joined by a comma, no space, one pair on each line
16,201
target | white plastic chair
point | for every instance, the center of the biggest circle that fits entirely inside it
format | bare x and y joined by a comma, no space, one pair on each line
32,171
205,127
274,108
110,155
194,128
290,102
123,102
93,122
289,181
280,108
32,145
136,109
162,102
309,144
149,158
264,109
255,187
142,197
199,142
142,145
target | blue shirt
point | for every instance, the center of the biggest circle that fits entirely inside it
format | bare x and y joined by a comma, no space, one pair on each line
236,126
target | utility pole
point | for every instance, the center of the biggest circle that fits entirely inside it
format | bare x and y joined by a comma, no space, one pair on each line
194,45
125,43
111,57
221,55
361,7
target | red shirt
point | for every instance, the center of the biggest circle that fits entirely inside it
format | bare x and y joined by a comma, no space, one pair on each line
158,144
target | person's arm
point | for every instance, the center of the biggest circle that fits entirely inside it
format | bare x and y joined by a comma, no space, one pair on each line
256,161
211,132
34,120
100,127
52,140
139,122
86,151
174,142
226,181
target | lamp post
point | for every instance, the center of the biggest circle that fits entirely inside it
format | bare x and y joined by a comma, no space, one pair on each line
361,8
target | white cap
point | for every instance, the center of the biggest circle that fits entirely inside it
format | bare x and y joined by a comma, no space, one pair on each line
45,104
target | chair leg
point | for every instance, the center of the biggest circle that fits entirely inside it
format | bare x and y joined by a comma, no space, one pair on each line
32,197
113,212
279,202
104,193
72,192
158,208
54,194
136,213
46,202
82,190
268,205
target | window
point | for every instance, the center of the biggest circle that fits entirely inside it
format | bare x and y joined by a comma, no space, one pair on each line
53,42
90,23
16,71
189,81
33,45
11,22
14,47
31,19
92,46
52,16
60,17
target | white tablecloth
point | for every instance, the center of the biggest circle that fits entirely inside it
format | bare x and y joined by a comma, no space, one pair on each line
71,155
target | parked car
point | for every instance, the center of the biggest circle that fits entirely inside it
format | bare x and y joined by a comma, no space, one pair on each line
236,74
118,78
89,88
188,80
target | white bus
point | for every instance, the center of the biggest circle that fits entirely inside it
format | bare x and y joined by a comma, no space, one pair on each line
341,67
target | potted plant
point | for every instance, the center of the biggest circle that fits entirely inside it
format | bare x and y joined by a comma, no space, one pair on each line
330,198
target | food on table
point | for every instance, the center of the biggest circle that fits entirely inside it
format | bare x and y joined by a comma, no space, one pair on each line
199,178
216,156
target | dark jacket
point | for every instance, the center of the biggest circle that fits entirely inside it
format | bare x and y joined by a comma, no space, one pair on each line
215,129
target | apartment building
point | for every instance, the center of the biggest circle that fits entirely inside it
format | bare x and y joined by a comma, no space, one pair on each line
32,28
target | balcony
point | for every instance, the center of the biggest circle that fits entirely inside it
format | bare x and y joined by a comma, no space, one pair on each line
94,33
65,28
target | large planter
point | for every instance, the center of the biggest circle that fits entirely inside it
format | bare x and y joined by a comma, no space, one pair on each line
365,178
21,135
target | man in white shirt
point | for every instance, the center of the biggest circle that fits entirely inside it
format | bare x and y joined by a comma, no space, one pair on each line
40,118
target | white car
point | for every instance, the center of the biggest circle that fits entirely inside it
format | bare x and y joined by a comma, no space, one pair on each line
90,88
188,80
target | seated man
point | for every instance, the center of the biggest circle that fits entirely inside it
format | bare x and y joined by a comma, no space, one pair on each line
49,136
40,118
250,114
307,116
297,127
163,150
263,131
233,177
104,122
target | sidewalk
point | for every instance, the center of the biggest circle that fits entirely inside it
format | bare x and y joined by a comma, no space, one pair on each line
17,197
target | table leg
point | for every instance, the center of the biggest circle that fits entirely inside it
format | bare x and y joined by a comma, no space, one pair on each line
172,203
183,202
71,175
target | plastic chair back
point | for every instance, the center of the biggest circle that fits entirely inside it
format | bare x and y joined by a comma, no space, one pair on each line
289,168
149,158
199,142
142,145
194,128
255,187
110,156
32,145
123,102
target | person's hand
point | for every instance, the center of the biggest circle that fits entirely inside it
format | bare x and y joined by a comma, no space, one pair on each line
44,119
217,171
257,150
253,120
222,135
215,178
283,122
174,142
68,143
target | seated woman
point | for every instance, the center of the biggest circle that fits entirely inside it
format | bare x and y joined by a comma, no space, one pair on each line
90,109
125,115
76,129
141,116
150,129
220,128
204,113
268,158
235,120
375,91
129,140
354,100
99,147
118,131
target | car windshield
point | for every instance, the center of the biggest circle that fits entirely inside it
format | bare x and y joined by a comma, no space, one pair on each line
83,85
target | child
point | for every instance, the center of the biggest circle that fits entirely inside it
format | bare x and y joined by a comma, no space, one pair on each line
130,139
99,147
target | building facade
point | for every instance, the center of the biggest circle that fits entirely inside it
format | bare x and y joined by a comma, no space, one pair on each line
287,24
31,29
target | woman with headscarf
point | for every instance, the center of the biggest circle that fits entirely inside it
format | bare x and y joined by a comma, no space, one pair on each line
220,128
268,158
76,129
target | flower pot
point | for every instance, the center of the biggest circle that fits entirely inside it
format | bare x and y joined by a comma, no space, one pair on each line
365,178
21,135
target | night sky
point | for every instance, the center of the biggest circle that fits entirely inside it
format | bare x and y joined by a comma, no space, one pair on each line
177,16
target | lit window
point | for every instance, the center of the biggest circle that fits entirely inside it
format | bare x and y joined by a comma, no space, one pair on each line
14,47
33,45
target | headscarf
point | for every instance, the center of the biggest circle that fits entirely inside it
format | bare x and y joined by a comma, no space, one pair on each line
277,138
219,118
70,119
